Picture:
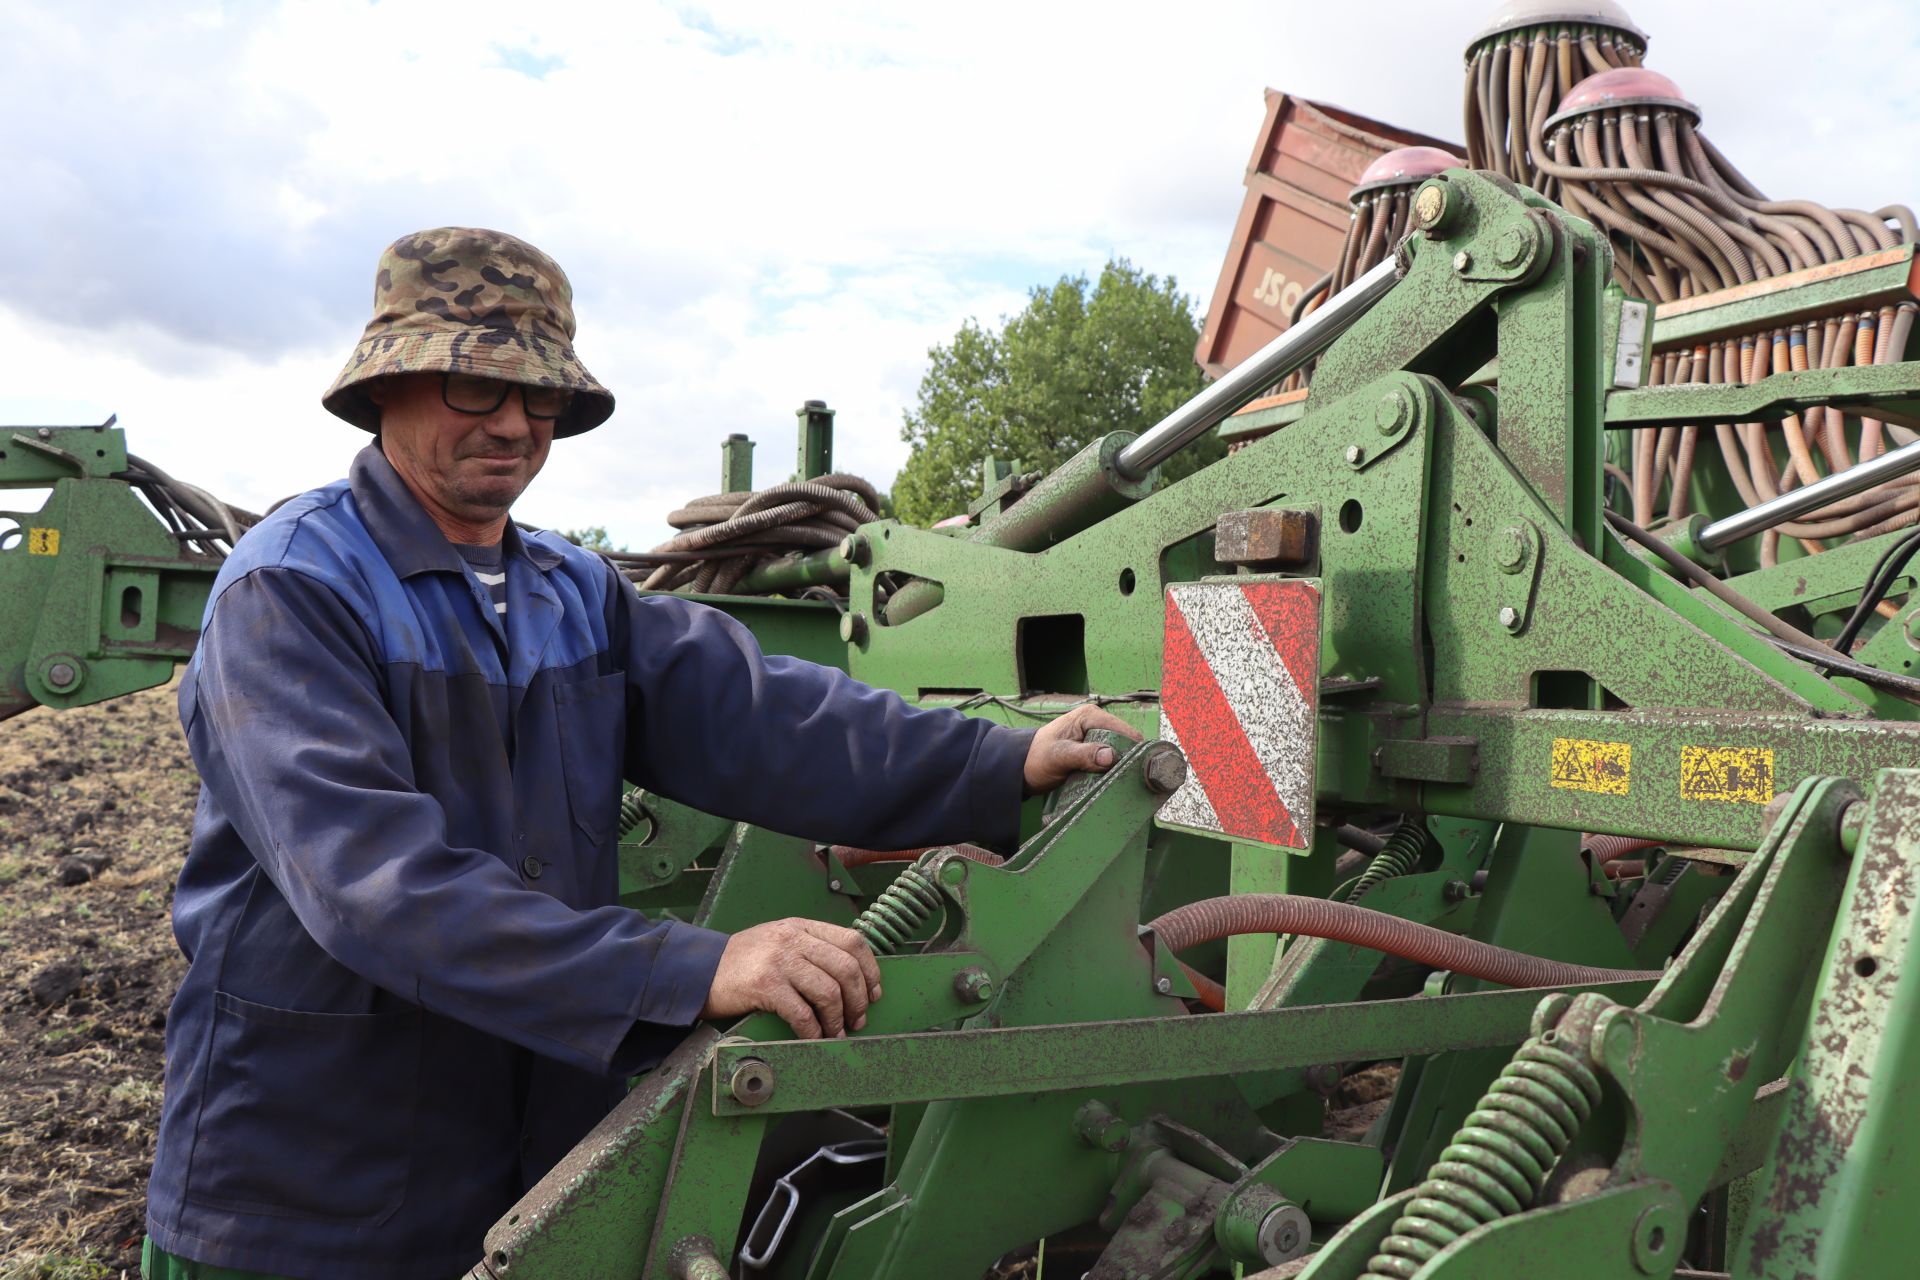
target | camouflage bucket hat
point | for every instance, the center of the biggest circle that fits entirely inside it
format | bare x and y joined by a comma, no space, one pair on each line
468,300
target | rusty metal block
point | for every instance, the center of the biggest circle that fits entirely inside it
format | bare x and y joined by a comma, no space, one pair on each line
1269,536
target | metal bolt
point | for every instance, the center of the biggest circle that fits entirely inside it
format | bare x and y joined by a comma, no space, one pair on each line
1166,769
1456,890
1463,261
1912,627
1511,248
1509,616
60,674
855,549
853,627
1510,549
1163,985
833,886
751,1082
953,871
1355,455
44,433
1430,205
1176,1231
973,985
1390,414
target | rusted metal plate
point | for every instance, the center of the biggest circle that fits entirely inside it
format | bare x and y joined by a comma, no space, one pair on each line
1305,160
1239,694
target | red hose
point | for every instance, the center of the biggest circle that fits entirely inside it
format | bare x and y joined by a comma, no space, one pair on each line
1213,918
851,857
1212,994
1607,848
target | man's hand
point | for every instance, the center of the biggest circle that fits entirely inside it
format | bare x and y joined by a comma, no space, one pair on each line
816,977
1061,748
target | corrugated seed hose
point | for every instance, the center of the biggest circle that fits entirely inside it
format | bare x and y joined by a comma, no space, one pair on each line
1214,918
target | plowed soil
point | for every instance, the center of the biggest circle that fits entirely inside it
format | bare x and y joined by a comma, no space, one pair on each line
95,809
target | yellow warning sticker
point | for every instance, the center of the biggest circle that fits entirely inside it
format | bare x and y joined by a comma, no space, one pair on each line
1602,767
43,542
1736,775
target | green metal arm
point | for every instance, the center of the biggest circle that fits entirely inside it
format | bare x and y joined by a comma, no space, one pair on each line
101,599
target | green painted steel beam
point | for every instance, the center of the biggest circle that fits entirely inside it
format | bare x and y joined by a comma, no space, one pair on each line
861,1071
1870,280
1702,779
1894,386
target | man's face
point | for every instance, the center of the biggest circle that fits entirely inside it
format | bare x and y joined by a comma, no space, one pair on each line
472,466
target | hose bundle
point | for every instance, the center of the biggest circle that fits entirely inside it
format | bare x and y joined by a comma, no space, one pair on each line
725,536
1522,65
195,516
1627,151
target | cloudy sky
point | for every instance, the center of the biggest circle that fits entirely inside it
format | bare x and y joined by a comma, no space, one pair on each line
758,203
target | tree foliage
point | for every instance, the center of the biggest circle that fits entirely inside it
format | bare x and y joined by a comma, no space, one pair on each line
593,538
1077,363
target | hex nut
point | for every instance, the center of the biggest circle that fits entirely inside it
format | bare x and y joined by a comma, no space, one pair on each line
1163,985
1166,769
751,1082
1509,616
1463,261
1355,455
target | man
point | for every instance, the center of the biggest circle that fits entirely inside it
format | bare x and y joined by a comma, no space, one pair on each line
409,991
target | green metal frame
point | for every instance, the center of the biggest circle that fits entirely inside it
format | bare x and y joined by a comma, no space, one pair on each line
101,599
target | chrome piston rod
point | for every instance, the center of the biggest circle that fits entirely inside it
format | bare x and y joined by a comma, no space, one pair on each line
1797,502
1246,380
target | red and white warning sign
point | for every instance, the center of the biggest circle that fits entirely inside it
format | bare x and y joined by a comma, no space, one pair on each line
1238,694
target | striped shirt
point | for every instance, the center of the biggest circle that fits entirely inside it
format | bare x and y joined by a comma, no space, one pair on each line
490,567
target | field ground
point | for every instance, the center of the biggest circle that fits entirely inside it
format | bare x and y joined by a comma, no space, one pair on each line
95,807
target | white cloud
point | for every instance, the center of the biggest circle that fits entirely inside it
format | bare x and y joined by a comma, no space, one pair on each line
759,202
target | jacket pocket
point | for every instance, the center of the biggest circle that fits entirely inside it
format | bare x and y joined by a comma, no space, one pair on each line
307,1115
590,717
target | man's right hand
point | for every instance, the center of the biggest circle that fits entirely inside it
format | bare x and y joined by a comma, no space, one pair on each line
816,977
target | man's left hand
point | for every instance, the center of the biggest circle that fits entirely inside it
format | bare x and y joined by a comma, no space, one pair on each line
1061,748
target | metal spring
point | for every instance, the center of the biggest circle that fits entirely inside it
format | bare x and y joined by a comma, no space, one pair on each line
632,812
893,917
1401,853
1498,1161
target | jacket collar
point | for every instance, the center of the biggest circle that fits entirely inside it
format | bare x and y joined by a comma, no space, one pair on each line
406,534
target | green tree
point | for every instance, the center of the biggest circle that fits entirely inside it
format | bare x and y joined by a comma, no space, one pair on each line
593,538
1078,363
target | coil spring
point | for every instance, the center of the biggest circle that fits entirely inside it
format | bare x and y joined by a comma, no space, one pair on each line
893,917
1498,1161
1401,853
632,812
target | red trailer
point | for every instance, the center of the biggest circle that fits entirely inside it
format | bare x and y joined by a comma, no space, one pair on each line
1306,159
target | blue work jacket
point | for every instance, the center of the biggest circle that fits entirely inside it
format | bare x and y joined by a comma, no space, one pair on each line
409,988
